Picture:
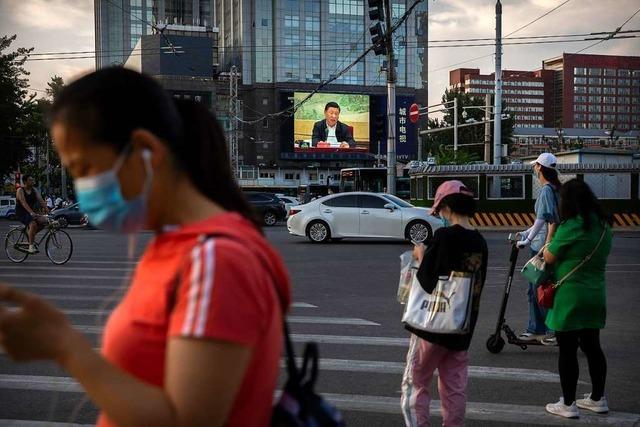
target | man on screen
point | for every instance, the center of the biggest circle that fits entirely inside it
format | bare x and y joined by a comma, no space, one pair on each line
330,132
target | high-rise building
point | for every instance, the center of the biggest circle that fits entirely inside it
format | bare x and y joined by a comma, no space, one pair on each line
596,91
119,24
287,46
528,95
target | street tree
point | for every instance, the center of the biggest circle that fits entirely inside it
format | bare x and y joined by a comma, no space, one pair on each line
13,97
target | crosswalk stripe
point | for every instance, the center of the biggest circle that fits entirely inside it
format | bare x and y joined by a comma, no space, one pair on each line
482,372
31,423
356,340
482,411
524,414
64,268
73,261
60,276
331,320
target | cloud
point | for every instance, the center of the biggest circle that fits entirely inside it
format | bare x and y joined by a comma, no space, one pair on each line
50,15
456,19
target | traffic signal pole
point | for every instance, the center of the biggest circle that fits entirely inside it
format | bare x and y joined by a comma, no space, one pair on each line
391,103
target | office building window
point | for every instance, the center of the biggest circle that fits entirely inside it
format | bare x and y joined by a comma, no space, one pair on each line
595,89
609,90
595,99
595,71
579,98
609,72
595,80
624,73
594,108
624,82
579,71
579,80
609,81
580,89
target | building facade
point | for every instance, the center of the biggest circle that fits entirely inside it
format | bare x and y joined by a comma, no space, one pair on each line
596,91
528,95
119,24
287,46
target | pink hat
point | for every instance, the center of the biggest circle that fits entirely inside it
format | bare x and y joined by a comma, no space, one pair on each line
447,188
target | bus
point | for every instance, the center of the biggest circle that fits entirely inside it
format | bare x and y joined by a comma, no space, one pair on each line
308,192
372,179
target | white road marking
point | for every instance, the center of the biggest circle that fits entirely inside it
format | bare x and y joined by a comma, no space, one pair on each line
508,413
61,276
356,340
31,423
63,286
64,268
331,320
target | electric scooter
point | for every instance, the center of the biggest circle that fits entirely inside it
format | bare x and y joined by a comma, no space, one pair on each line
496,343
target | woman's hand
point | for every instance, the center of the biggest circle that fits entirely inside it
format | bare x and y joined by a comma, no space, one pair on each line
35,329
418,252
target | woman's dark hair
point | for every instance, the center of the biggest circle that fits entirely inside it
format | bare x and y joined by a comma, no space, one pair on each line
109,104
551,175
460,204
576,198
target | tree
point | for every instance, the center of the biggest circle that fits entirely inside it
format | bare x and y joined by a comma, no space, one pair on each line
13,96
54,87
467,134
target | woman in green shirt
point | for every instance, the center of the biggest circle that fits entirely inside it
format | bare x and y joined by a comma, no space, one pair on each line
579,252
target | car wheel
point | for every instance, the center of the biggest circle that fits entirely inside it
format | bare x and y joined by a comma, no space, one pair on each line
63,221
269,218
318,232
418,231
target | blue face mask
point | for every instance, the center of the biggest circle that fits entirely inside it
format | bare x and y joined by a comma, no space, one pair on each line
445,221
100,198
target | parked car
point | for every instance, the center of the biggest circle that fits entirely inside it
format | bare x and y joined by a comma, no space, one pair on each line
268,206
361,214
7,207
289,202
70,215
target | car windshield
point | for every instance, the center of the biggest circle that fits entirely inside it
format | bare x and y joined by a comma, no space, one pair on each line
398,201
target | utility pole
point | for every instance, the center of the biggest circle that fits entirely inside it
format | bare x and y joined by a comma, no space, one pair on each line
391,103
487,128
497,112
233,120
455,125
46,141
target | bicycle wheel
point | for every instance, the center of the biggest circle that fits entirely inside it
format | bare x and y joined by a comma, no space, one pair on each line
17,236
59,247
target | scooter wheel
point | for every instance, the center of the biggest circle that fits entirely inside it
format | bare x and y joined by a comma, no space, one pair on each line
495,344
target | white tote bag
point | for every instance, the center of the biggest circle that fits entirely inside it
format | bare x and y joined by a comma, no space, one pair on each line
447,310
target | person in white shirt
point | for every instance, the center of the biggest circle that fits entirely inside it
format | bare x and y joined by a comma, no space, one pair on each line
331,131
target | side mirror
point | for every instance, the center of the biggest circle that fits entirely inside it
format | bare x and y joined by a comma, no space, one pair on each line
390,206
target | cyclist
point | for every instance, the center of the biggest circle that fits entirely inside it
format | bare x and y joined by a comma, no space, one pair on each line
29,200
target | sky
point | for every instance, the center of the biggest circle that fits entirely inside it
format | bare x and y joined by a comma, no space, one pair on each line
68,25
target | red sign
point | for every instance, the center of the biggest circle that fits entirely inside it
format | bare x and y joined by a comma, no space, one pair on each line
414,113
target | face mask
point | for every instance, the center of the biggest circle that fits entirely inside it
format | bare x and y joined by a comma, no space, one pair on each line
445,221
100,198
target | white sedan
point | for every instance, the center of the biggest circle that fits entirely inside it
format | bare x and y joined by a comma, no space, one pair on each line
361,214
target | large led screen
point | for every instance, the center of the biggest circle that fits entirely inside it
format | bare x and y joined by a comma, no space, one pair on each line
331,122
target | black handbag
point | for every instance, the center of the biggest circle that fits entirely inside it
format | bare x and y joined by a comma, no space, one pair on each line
299,405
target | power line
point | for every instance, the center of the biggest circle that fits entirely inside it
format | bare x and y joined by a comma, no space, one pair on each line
617,30
533,42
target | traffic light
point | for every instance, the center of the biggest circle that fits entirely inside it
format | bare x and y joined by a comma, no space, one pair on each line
378,37
376,10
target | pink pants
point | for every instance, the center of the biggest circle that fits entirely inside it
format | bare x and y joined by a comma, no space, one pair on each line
423,359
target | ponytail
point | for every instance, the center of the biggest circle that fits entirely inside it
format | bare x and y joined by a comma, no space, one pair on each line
551,175
204,157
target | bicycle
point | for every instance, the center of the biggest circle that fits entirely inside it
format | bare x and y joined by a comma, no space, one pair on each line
58,244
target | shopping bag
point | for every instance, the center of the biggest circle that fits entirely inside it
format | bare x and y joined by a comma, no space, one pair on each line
536,270
408,270
447,310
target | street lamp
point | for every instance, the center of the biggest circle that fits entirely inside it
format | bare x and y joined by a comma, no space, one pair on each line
560,133
611,133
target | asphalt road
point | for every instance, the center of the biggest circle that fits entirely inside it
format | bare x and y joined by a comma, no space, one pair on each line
345,299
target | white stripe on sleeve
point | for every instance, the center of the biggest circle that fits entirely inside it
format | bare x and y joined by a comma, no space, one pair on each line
209,275
194,286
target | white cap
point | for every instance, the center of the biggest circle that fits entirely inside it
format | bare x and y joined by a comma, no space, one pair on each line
547,160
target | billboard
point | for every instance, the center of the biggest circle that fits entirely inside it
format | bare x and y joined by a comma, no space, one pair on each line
331,123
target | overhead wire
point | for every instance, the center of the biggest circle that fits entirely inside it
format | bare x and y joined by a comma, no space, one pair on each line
612,36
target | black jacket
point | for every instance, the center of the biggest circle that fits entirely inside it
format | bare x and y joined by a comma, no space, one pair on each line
320,132
453,249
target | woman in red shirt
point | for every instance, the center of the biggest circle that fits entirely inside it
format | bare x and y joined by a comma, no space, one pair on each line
197,339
